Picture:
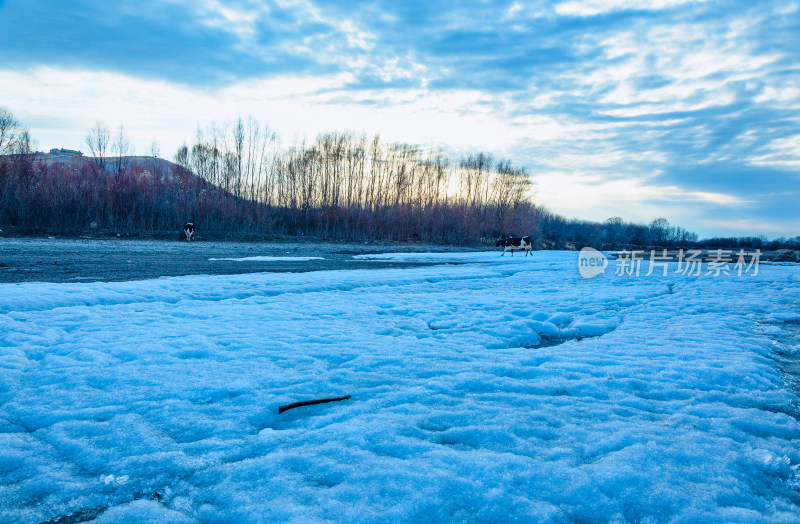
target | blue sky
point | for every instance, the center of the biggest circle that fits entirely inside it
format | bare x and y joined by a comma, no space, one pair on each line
681,109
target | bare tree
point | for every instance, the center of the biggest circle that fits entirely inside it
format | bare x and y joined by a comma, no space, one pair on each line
475,171
24,144
97,140
8,127
659,231
510,185
122,148
238,156
182,157
154,152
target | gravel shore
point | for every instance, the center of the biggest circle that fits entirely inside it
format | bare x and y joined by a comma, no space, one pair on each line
86,260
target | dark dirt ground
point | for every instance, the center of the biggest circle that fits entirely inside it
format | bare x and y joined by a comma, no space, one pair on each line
85,260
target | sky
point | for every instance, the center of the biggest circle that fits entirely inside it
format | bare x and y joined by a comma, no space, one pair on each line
687,110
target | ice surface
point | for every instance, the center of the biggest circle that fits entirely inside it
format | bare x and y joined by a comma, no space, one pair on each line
459,257
270,259
157,400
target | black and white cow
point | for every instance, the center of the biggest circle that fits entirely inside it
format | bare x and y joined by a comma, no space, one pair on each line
515,244
188,230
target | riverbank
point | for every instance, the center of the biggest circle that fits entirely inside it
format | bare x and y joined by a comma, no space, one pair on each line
89,260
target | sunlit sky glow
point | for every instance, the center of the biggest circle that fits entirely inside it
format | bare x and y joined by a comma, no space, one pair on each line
682,109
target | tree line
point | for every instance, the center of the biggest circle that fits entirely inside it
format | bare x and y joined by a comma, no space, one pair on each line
237,180
347,186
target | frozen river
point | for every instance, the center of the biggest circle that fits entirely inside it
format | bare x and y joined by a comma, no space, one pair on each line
482,389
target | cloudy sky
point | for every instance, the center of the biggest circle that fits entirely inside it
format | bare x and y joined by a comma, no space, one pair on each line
688,110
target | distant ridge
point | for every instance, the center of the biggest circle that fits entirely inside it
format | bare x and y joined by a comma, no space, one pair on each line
72,157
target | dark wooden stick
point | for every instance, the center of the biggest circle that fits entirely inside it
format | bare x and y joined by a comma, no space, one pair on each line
293,405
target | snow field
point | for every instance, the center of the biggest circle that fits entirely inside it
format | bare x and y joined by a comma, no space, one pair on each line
499,389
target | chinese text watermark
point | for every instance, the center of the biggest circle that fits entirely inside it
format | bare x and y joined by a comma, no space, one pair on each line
692,262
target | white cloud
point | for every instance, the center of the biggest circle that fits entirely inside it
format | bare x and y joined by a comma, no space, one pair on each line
785,95
590,196
295,106
781,153
596,7
238,20
675,67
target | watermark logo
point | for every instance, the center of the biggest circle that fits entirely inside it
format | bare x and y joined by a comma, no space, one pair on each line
693,263
591,262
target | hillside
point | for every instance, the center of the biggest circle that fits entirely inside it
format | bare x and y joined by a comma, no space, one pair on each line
77,158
